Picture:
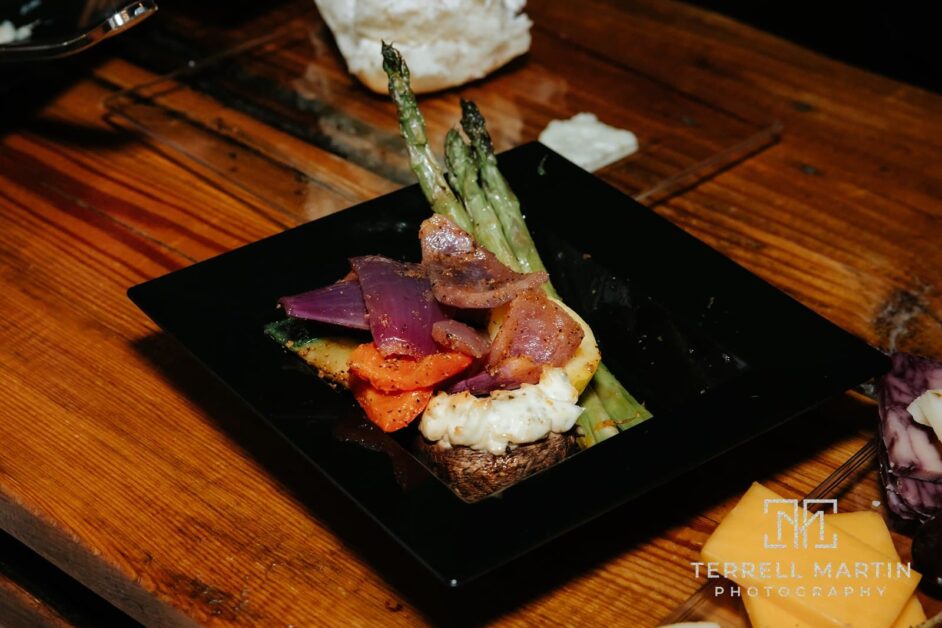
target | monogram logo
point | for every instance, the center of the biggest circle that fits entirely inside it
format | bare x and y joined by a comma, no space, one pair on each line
795,523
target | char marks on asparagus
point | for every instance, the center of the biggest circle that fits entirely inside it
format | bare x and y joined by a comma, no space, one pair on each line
464,274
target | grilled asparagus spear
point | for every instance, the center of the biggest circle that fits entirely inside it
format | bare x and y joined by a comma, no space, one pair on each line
594,422
499,194
486,226
619,403
412,126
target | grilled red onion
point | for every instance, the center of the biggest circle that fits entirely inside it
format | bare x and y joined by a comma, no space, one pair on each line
458,336
339,304
400,304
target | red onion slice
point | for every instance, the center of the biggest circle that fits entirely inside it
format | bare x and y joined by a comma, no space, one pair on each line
400,304
339,304
458,336
482,383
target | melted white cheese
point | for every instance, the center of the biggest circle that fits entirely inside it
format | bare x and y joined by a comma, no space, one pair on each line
505,418
926,409
585,141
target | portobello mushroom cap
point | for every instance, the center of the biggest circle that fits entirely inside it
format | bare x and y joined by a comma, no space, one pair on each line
476,474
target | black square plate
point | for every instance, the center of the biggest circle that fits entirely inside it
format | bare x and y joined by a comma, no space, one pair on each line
717,354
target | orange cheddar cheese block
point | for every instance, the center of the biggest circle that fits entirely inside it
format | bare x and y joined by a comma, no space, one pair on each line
818,573
912,614
870,528
764,613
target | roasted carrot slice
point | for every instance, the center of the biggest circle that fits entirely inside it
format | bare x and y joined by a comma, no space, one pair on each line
390,411
394,374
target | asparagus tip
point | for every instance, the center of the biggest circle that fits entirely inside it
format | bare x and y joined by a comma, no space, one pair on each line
474,125
393,62
468,108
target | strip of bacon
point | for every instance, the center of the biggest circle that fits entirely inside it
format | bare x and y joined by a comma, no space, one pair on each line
464,274
536,332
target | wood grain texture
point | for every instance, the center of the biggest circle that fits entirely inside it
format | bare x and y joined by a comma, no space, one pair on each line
141,477
842,213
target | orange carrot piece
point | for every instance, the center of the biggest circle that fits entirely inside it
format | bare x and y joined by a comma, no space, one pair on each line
390,411
394,374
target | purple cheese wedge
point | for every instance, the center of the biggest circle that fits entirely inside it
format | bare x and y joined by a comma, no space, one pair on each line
910,453
907,497
912,450
895,503
922,498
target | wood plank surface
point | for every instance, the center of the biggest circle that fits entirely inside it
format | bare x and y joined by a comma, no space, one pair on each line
34,593
141,477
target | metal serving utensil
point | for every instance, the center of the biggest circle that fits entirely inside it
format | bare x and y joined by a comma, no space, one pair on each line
121,19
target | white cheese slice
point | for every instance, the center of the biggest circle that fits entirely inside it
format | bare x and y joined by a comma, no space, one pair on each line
585,141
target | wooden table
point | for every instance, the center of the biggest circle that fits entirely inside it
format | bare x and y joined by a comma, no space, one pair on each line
126,466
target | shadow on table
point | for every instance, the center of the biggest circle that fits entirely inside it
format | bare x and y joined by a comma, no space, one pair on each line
585,549
28,88
54,594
